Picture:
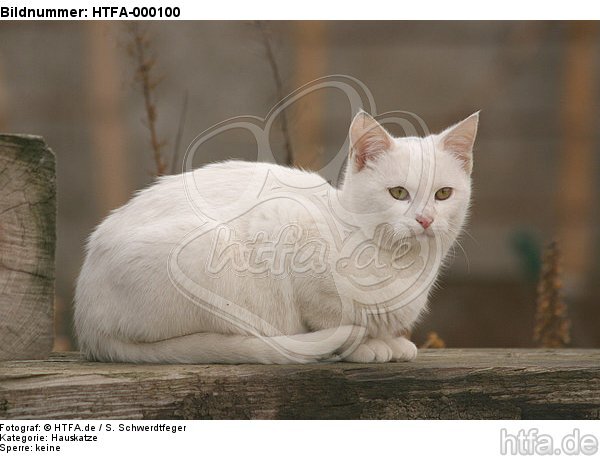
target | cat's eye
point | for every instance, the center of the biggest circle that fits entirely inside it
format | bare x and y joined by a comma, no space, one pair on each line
400,193
443,193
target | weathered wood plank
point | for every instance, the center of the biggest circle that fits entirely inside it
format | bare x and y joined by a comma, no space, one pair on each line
27,243
447,383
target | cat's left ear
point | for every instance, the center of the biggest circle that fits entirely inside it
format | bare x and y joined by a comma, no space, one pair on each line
459,140
368,139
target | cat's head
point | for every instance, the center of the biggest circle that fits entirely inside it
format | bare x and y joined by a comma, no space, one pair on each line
418,186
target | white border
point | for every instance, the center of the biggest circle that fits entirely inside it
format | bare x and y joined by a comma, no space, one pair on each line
347,9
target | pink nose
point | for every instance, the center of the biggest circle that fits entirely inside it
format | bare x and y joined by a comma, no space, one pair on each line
425,222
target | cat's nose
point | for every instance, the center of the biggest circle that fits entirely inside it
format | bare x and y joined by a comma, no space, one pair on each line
425,222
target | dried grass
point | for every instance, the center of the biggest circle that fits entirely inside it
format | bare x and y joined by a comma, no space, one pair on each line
552,325
433,341
139,49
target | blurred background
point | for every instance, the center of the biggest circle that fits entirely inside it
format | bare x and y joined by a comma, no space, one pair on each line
81,87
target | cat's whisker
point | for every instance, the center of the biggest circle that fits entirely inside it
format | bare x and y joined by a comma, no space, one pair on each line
465,231
458,243
465,254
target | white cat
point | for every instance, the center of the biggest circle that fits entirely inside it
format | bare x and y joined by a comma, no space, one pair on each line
242,262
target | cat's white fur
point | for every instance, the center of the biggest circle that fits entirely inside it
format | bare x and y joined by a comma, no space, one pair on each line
129,308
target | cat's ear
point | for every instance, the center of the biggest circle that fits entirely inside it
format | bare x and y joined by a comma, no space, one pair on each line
459,140
368,139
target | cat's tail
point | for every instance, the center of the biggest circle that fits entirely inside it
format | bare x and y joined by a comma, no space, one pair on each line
201,348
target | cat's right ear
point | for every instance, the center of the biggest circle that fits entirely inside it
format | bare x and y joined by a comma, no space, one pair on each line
368,139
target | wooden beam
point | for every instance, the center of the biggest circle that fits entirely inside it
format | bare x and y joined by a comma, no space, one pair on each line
27,244
107,124
310,39
577,161
441,383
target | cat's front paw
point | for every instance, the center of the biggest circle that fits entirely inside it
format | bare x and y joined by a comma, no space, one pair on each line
372,351
402,349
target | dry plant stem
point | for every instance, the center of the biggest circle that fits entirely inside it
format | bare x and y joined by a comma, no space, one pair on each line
144,65
552,325
180,129
279,87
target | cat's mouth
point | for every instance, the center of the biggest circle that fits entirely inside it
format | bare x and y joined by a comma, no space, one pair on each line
429,232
